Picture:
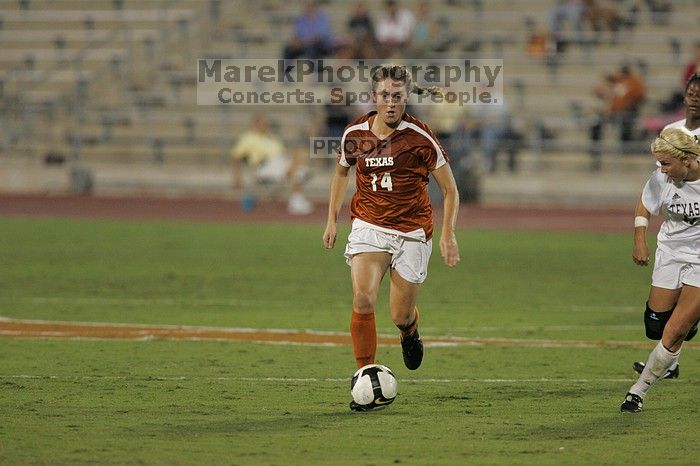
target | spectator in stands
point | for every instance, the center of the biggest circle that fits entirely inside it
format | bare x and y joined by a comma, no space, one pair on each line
361,42
623,94
360,22
605,89
693,67
424,30
272,163
602,18
492,127
566,11
394,28
313,35
464,165
337,117
492,122
660,11
603,92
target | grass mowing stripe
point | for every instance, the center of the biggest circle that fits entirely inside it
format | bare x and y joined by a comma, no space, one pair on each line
250,301
317,380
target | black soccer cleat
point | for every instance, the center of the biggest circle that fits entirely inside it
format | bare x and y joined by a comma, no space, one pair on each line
373,406
632,404
358,407
671,374
412,348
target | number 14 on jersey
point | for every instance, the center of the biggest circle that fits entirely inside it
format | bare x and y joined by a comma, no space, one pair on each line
384,183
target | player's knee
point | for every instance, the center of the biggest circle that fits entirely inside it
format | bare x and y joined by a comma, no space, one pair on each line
655,322
675,332
363,302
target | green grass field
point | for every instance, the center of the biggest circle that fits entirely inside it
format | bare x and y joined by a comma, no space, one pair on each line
87,401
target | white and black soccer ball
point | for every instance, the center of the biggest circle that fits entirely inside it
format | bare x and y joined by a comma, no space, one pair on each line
373,385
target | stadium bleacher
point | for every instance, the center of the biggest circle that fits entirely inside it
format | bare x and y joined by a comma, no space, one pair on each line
110,86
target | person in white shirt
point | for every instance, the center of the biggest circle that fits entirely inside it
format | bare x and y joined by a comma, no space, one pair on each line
394,28
673,309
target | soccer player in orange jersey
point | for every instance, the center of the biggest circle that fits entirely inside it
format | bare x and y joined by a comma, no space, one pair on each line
392,219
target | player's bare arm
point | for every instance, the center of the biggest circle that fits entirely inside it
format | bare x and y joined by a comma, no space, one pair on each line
640,253
339,185
448,242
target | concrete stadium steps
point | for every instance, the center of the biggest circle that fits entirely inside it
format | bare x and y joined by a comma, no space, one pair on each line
107,16
73,38
541,180
566,180
59,81
67,56
103,5
169,156
159,102
582,190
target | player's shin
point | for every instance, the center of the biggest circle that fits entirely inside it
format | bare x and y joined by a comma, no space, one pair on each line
364,338
660,360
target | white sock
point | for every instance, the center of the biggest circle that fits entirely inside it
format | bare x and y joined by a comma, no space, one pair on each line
659,362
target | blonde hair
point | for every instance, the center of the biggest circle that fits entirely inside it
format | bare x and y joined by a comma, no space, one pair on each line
400,73
678,143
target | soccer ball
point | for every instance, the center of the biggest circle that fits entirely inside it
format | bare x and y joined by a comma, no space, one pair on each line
373,385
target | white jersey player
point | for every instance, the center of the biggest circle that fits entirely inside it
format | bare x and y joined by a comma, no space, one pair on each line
672,311
691,122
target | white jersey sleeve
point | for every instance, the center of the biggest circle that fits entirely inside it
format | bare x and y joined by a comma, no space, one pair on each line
652,195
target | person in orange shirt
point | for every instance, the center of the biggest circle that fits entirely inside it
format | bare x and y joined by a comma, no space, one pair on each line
629,92
626,92
394,155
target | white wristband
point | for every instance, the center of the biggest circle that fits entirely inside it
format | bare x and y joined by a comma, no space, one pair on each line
640,221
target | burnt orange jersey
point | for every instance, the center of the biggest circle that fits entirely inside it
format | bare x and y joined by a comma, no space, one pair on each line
391,175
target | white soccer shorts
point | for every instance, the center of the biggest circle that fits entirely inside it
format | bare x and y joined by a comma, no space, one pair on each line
672,274
409,257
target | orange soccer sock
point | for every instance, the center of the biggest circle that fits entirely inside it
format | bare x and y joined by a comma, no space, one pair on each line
409,329
364,338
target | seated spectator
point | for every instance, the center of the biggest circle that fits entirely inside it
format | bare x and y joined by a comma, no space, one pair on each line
271,163
660,11
361,42
394,28
490,127
493,125
566,11
623,95
424,30
602,18
313,36
629,93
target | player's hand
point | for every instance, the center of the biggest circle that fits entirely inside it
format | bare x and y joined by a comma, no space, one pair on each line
640,253
449,249
329,236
